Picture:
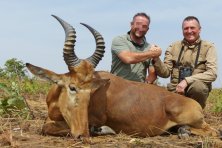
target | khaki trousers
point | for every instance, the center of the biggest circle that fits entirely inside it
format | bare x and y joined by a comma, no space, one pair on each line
198,91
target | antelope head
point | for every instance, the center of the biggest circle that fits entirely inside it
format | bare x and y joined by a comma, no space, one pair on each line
78,83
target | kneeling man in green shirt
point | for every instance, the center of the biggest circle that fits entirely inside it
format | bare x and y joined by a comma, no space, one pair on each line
131,53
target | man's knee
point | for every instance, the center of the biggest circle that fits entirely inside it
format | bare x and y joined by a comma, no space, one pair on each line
198,87
199,91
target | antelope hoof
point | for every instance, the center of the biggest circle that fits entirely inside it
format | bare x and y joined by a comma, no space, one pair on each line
184,132
103,130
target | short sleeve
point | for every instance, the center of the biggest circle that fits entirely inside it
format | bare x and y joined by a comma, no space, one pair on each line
118,44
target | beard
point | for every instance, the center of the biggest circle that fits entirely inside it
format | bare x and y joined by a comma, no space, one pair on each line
139,34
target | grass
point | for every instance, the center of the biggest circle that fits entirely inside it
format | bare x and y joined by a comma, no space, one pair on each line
215,98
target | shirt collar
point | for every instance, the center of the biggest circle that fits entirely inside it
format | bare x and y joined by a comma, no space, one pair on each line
134,43
191,46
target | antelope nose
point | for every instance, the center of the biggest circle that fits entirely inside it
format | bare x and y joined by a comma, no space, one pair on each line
79,137
82,138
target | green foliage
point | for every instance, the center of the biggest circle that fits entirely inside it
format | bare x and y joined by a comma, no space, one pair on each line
216,98
34,86
14,83
13,69
11,101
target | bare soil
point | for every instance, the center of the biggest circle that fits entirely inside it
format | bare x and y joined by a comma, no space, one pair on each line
15,132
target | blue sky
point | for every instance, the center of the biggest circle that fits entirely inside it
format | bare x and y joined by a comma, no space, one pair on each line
30,34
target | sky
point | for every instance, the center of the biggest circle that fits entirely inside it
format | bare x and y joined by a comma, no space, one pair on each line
30,34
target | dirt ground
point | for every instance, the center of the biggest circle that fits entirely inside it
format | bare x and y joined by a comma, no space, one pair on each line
15,132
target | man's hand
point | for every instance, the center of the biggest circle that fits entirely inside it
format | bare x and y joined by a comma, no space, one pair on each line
180,89
155,51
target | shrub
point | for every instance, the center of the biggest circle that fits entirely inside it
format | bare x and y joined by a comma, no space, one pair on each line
11,101
13,69
215,97
14,83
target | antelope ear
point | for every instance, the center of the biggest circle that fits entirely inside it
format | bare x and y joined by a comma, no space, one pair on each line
44,73
97,83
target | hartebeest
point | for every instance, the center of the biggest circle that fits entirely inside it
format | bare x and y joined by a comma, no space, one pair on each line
83,98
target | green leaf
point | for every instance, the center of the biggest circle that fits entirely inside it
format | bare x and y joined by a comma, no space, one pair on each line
16,103
4,88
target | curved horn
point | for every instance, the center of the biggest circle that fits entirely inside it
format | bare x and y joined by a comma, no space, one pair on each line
68,51
100,46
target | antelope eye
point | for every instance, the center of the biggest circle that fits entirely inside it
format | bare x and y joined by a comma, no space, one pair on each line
72,87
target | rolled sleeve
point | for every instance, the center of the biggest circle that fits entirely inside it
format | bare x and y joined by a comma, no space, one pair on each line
163,69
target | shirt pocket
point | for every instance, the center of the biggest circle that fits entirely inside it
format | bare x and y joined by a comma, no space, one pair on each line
200,67
201,61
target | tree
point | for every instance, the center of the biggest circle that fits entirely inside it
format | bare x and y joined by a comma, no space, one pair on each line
12,101
13,68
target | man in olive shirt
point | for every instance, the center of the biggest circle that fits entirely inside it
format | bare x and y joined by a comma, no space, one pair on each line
131,53
191,63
